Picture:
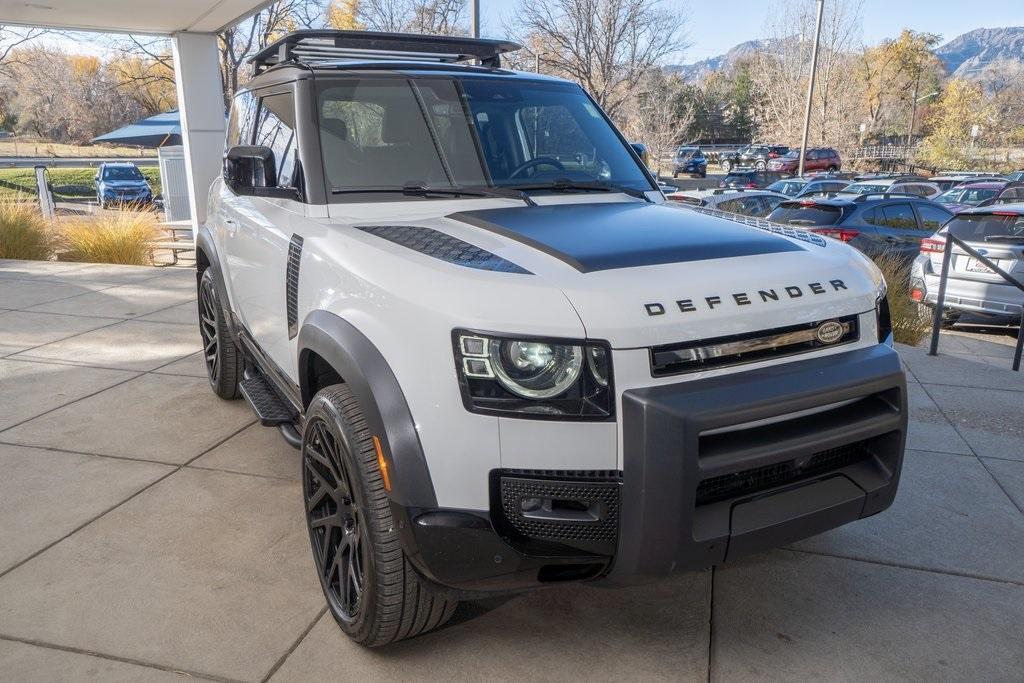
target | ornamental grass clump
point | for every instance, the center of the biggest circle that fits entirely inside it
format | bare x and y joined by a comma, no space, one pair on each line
121,237
24,233
911,322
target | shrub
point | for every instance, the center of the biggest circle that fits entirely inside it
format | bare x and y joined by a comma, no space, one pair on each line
121,237
24,233
911,322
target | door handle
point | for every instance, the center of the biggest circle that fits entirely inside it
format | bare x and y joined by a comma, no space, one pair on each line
230,225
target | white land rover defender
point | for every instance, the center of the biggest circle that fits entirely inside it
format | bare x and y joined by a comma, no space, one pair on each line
506,360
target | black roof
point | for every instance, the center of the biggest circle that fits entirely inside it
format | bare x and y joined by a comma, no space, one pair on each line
312,46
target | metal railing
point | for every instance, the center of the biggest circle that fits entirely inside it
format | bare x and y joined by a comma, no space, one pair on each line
947,258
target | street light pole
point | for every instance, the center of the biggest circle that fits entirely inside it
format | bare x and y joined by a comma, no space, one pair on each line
810,86
474,17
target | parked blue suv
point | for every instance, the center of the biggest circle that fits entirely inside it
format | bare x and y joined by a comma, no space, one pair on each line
689,160
874,223
121,183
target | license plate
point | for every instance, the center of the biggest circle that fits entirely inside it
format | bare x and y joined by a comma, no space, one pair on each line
976,266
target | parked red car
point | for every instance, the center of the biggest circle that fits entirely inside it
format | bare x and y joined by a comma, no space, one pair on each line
818,159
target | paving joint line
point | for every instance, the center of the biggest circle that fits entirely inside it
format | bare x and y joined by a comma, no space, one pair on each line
908,567
298,641
115,658
110,509
981,462
711,624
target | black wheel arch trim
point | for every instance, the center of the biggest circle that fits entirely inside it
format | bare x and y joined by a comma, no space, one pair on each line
208,248
361,366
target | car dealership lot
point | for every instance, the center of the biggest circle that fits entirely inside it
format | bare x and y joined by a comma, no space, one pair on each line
149,528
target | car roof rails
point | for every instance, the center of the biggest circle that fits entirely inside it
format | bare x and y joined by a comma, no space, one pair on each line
311,46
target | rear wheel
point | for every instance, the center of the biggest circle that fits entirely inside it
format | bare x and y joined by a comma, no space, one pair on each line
224,364
832,169
726,165
372,590
760,165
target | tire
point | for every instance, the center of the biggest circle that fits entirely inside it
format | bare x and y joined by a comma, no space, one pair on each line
726,165
375,595
675,174
224,364
831,169
950,318
704,173
760,165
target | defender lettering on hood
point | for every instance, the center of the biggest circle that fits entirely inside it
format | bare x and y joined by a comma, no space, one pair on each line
747,298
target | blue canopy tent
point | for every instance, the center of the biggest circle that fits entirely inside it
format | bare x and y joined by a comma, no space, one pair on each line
155,131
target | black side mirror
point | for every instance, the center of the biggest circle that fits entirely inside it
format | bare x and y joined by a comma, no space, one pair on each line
249,169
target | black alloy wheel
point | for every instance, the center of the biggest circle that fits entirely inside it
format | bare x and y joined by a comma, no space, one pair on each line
223,362
336,526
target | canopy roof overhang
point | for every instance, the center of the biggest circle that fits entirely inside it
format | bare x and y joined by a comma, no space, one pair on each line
130,16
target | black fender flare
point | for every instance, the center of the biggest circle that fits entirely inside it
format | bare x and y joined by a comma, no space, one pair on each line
363,368
206,245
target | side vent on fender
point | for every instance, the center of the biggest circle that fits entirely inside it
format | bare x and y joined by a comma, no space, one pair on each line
292,285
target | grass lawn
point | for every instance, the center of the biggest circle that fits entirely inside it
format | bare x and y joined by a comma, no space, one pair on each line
67,182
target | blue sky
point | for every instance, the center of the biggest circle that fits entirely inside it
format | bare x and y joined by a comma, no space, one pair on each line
717,25
714,26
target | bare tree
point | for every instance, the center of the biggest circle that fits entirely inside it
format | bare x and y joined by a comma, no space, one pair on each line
782,69
605,45
659,115
441,17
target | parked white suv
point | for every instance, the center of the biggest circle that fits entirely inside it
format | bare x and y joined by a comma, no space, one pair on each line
506,361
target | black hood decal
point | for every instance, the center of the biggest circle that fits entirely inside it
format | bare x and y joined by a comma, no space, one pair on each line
609,235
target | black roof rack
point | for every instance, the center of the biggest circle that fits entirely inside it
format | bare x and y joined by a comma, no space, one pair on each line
330,45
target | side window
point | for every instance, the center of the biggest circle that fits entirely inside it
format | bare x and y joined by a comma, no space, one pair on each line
276,130
240,122
732,206
869,217
932,217
899,217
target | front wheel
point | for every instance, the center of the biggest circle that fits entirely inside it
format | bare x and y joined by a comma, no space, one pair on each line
726,165
760,166
224,364
372,590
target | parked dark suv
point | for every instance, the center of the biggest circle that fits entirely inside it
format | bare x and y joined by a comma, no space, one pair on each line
757,156
689,160
817,159
872,223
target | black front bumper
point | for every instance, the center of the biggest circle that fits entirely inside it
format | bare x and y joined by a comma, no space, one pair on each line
713,469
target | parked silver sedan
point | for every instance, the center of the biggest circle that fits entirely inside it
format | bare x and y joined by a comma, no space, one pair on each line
996,232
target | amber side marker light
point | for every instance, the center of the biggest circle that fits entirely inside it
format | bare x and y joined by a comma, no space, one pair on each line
382,464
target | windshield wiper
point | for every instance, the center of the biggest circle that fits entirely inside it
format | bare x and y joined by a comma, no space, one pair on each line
1004,238
423,191
566,185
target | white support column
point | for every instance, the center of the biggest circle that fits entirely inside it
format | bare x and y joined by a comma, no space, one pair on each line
201,105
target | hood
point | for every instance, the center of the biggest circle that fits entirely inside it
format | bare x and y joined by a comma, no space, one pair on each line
642,274
125,184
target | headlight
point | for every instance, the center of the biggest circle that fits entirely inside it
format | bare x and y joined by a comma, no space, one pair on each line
524,377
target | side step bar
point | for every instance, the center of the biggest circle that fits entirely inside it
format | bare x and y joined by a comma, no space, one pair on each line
269,408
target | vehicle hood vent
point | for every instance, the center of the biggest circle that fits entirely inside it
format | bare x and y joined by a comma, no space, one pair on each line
443,247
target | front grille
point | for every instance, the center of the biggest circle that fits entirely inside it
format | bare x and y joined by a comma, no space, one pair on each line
600,495
757,479
677,359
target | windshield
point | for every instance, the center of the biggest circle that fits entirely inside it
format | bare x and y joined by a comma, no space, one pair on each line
686,152
122,173
865,188
792,154
977,195
948,197
790,188
386,134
